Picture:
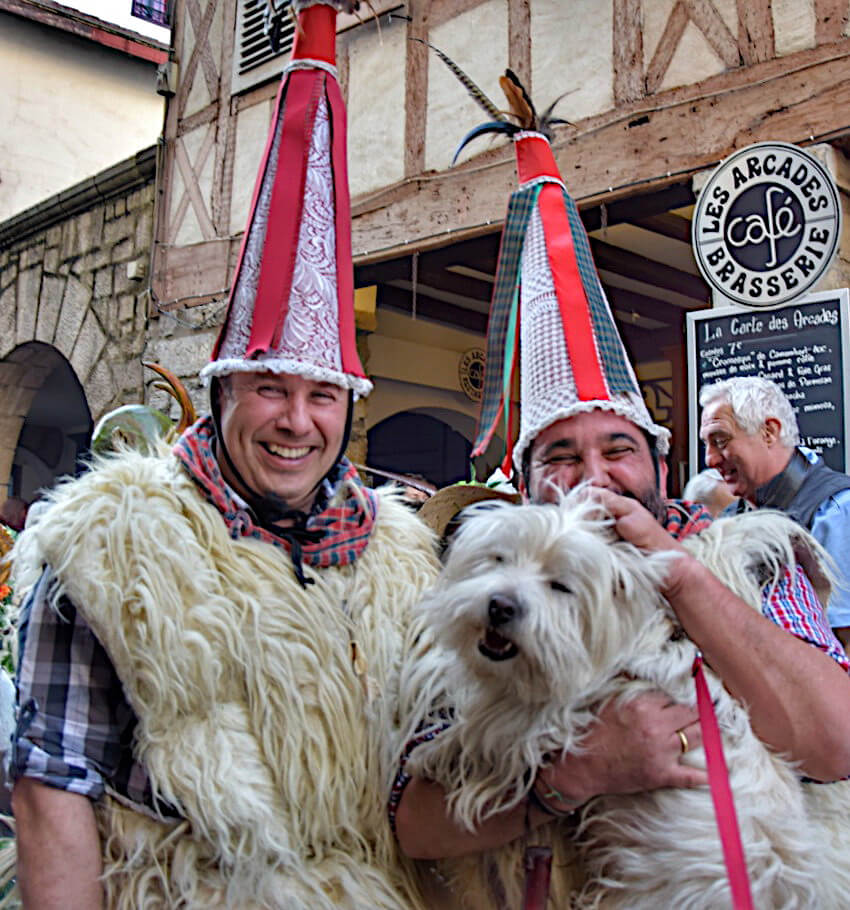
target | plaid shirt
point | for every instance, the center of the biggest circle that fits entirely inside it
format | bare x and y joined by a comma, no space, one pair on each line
792,604
75,728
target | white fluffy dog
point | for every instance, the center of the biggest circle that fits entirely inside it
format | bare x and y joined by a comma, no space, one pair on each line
540,615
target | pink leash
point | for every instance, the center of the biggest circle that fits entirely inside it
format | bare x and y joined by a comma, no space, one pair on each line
721,794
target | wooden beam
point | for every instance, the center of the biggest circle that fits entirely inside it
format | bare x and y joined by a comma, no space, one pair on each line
628,51
756,40
668,42
481,253
416,90
704,15
199,118
225,150
519,41
442,11
634,208
196,274
675,227
631,265
652,307
830,19
430,308
437,278
200,55
793,98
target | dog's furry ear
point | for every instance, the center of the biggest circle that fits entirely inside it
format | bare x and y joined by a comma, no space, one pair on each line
639,574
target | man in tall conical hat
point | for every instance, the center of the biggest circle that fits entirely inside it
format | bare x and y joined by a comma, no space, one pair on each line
583,419
209,662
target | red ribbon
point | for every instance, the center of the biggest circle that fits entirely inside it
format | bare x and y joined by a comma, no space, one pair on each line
572,299
534,159
538,871
344,267
721,794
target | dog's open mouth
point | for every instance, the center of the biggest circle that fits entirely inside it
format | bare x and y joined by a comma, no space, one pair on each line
494,646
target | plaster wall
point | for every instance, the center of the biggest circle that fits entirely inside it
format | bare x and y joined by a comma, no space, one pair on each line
69,109
375,105
477,40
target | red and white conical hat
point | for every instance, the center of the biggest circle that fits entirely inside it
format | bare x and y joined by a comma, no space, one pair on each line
291,306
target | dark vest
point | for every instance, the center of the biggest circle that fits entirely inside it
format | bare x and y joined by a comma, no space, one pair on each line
800,489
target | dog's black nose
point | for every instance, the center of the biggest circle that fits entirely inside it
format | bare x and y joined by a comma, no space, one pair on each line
502,609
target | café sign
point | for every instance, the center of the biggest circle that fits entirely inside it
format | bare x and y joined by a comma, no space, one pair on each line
767,224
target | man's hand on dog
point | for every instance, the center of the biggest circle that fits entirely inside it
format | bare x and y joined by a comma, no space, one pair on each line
636,524
632,747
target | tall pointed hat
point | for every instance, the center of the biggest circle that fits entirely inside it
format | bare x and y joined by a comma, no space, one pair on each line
291,306
549,315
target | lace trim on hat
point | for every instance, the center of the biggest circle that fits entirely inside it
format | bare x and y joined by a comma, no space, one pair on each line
626,408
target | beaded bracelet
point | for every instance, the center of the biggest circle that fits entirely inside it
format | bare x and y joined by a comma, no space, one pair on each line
540,801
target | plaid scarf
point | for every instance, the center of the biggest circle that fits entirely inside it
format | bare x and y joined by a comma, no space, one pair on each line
686,518
335,532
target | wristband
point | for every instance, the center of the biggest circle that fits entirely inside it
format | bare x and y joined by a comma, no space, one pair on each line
536,799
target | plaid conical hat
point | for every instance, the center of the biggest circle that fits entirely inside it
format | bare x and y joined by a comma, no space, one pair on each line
291,306
548,297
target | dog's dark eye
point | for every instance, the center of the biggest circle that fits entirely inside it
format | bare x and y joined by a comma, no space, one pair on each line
497,558
559,586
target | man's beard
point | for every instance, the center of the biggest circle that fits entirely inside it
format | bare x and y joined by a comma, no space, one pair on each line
652,501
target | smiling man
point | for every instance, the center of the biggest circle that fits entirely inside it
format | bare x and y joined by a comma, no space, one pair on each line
286,431
209,665
750,433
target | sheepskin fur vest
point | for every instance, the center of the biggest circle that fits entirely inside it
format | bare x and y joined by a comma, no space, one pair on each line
266,711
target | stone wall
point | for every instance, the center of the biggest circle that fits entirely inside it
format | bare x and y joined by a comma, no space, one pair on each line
73,285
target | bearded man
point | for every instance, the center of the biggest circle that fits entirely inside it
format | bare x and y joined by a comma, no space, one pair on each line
209,663
583,419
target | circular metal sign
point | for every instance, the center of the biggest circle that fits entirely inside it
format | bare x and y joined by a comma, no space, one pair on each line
471,373
767,224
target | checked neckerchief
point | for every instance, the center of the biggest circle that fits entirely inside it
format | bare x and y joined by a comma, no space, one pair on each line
335,532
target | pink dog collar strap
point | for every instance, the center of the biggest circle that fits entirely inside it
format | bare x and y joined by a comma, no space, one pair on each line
721,794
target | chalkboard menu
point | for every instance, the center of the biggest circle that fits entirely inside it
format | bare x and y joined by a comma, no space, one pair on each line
803,347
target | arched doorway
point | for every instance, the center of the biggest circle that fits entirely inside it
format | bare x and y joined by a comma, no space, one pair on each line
48,423
415,443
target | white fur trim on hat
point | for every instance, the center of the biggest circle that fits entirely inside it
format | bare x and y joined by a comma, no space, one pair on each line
361,387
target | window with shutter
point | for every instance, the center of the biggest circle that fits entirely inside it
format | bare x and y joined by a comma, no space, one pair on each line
255,60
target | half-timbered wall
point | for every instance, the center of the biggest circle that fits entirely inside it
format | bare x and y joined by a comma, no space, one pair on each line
654,90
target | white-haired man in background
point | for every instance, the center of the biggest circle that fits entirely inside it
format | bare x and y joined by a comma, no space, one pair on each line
750,433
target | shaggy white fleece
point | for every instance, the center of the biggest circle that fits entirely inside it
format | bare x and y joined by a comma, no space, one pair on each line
589,624
254,717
